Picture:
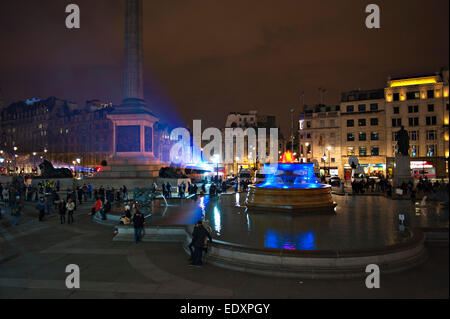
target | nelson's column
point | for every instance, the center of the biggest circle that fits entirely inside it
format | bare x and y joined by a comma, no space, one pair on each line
133,152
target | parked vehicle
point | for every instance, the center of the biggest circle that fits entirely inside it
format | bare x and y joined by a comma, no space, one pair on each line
335,181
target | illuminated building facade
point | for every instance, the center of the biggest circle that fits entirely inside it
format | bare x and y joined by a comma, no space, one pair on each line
421,105
61,131
363,131
254,120
366,122
320,137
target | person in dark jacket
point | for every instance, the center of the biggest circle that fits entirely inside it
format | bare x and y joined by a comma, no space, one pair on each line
138,222
106,209
41,209
198,241
62,211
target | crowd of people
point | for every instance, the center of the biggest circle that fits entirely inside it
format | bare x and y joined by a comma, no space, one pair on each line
365,185
49,198
423,187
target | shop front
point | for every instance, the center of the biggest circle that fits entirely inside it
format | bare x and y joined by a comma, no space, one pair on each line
370,169
329,171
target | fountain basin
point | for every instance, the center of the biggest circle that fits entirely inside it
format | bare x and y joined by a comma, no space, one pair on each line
291,187
298,200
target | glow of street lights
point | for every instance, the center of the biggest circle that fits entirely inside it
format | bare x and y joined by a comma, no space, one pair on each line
78,160
329,148
34,153
15,148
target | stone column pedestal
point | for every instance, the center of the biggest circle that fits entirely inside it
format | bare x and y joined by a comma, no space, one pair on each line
402,171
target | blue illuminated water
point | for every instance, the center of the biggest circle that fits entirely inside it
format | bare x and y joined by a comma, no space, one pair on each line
290,176
360,222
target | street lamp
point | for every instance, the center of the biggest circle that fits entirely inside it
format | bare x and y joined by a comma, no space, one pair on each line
329,162
307,152
216,159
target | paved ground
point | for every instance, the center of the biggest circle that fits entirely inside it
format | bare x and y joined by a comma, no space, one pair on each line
33,258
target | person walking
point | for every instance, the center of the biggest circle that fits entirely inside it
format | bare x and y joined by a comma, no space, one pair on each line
41,209
62,211
17,213
97,207
138,222
70,209
80,195
198,241
169,190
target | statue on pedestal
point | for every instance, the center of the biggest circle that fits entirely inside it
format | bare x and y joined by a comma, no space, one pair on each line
402,172
403,142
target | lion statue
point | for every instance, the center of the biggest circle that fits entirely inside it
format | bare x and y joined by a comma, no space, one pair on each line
48,171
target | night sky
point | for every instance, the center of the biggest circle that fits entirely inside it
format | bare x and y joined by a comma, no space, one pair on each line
205,58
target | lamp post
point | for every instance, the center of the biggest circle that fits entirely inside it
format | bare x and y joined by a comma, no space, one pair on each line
15,159
292,130
307,152
329,159
216,160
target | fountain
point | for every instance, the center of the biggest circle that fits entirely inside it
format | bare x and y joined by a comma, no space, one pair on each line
290,187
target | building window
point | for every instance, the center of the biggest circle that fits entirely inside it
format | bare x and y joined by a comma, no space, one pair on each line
413,121
362,108
362,122
413,95
350,137
431,135
430,94
322,123
414,135
362,136
431,120
414,150
350,108
375,151
350,123
397,110
413,109
332,123
362,151
374,107
431,150
374,122
374,136
396,122
396,96
394,136
430,107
